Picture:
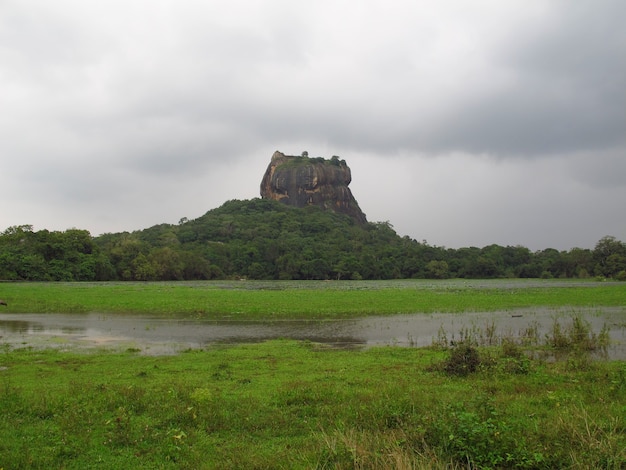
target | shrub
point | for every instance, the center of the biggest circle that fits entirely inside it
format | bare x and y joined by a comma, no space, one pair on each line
464,359
515,361
476,435
579,337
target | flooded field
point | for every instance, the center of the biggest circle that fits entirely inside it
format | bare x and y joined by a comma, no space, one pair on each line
166,335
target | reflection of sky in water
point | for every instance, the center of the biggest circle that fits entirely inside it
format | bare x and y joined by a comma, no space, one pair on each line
161,334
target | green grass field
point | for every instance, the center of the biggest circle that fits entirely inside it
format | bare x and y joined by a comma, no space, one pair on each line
291,405
251,299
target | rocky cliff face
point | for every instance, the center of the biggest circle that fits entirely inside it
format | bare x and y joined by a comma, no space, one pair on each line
303,181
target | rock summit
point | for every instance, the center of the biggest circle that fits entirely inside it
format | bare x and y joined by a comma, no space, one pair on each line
301,181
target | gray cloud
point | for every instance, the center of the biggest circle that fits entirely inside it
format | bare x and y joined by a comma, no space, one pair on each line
566,90
117,116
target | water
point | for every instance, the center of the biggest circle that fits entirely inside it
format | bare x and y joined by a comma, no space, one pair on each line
166,335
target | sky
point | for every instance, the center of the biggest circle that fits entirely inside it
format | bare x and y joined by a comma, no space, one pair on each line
464,123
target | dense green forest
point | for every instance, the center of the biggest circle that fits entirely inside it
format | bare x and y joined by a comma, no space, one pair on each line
263,239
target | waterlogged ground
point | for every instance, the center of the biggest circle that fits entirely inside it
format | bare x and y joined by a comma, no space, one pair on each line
157,335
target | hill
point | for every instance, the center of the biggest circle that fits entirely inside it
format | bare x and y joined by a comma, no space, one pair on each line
257,239
266,239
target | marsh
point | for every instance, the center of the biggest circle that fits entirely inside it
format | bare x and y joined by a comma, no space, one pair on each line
159,334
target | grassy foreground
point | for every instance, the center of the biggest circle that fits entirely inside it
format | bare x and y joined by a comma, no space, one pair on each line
275,299
290,405
286,404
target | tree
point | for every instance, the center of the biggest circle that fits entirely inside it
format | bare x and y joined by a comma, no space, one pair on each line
167,264
143,269
437,269
550,262
578,263
264,239
609,256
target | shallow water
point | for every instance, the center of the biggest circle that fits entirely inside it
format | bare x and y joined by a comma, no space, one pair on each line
160,335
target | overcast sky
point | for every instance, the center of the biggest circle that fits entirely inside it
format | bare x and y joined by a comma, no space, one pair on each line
465,123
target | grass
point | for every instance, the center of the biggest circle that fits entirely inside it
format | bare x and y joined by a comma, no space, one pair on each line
250,299
285,404
488,402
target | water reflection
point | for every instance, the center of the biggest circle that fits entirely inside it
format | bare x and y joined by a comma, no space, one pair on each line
160,335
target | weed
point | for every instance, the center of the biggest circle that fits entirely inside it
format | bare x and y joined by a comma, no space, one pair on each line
618,382
358,449
529,336
119,428
476,433
490,334
511,349
223,371
441,342
464,359
578,337
598,439
515,360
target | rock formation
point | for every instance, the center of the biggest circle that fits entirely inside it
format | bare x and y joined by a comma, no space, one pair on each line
303,181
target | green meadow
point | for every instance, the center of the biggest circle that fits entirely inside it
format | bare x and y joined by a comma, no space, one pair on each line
513,403
308,299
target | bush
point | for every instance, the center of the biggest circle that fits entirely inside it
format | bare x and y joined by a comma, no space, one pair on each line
515,361
578,337
477,435
464,359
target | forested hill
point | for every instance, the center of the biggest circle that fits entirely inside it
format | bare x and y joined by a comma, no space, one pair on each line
264,239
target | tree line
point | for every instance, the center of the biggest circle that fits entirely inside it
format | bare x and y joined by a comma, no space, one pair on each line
264,239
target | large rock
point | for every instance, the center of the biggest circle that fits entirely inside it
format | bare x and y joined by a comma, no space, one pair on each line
303,181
